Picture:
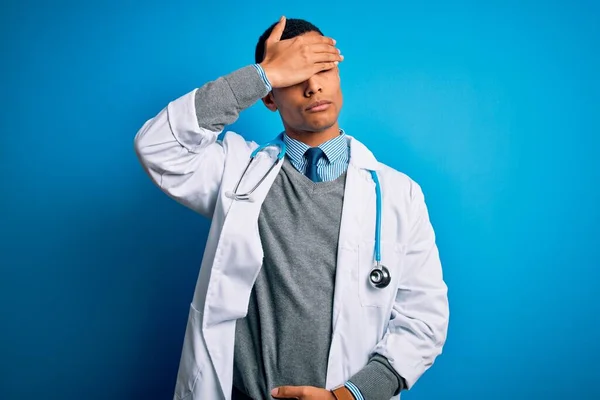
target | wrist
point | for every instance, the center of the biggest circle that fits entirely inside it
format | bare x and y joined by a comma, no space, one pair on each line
263,76
269,74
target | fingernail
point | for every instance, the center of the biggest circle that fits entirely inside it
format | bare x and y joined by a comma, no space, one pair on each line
275,391
334,42
336,62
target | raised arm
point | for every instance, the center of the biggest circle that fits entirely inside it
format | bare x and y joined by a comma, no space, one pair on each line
178,148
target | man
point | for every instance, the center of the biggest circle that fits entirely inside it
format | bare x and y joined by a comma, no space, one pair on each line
283,306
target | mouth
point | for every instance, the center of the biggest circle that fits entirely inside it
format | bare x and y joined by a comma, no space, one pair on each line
317,106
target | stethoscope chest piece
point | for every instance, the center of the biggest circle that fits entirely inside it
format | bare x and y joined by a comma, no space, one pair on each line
380,277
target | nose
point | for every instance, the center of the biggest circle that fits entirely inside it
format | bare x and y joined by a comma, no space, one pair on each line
313,85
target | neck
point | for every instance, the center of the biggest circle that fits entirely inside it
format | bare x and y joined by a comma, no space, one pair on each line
314,139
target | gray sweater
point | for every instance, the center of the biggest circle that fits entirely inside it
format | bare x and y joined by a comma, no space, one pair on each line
285,337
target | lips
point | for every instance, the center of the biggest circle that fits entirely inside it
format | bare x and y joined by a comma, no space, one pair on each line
318,105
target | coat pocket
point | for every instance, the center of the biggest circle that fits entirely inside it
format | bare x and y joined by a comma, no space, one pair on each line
392,257
193,357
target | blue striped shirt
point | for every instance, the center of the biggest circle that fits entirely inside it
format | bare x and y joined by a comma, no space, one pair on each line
329,167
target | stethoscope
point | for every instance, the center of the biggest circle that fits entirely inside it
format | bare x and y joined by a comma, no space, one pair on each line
379,277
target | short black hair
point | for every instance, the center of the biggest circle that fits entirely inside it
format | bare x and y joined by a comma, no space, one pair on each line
293,27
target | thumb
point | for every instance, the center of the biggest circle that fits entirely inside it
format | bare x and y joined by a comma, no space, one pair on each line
277,31
288,392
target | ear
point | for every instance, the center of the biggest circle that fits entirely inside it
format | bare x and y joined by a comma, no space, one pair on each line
269,102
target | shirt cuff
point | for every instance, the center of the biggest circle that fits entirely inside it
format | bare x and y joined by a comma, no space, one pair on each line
354,390
262,74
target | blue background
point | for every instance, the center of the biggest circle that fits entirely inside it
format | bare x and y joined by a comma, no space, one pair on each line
492,108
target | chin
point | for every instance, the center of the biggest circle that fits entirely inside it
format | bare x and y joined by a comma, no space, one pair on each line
318,128
320,125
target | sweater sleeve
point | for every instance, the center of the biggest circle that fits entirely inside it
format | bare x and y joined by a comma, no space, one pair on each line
376,381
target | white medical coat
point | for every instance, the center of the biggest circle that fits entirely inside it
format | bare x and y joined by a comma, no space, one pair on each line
406,322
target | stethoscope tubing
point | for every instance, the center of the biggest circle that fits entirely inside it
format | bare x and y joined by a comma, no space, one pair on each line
379,270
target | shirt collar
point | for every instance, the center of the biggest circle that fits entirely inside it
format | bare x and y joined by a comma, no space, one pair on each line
333,148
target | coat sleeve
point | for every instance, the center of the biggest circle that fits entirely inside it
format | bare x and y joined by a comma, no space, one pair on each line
418,323
178,148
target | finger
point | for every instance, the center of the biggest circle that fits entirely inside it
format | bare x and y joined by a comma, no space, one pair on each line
318,39
288,392
277,31
325,66
324,48
327,57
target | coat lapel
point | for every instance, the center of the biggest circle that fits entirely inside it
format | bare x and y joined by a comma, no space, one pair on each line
359,206
237,262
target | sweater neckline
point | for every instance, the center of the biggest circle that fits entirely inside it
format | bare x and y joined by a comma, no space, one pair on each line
298,178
